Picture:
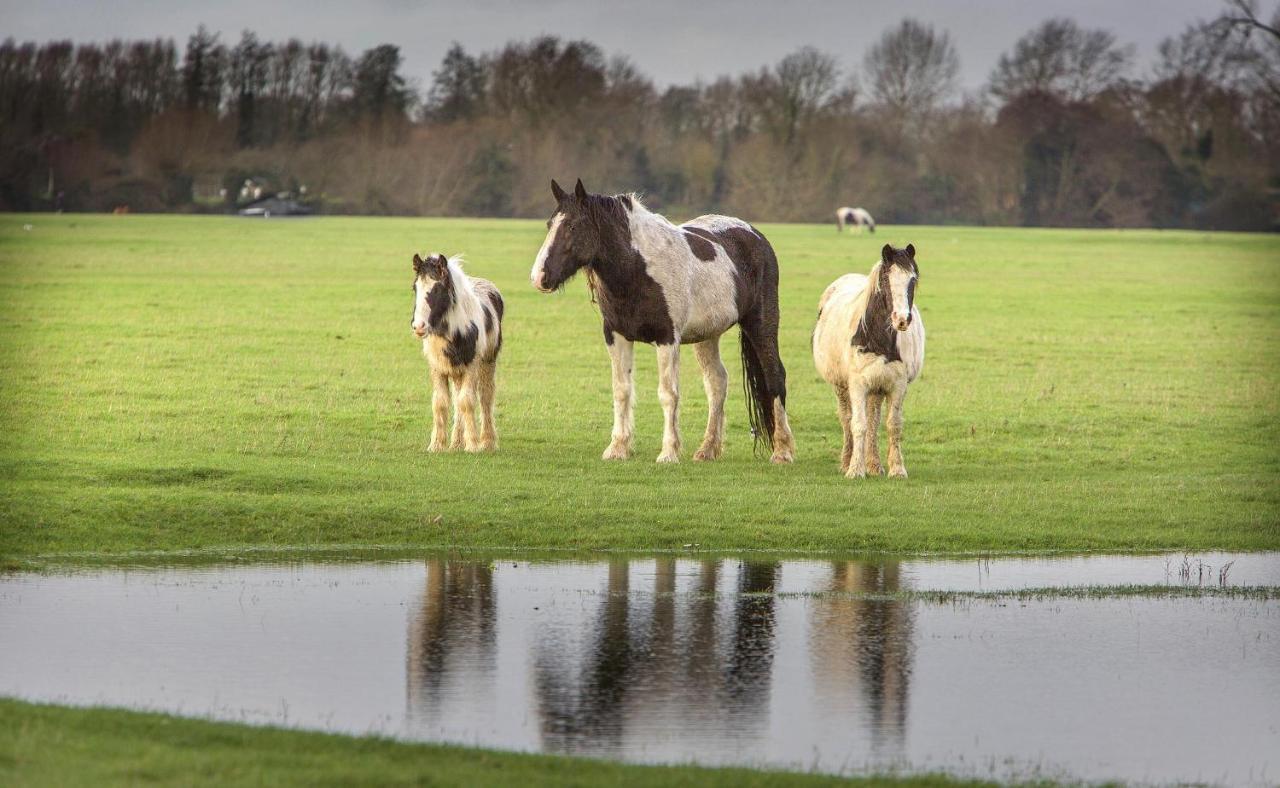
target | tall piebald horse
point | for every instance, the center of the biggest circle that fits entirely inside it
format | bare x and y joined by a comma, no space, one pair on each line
869,344
854,217
670,285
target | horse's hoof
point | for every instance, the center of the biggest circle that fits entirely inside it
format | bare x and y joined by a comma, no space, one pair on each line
668,457
875,470
855,475
706,455
616,453
782,458
898,473
436,448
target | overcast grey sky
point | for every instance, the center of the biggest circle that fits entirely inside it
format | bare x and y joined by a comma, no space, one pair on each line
670,40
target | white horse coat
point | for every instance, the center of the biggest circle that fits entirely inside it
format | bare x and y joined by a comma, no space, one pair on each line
869,345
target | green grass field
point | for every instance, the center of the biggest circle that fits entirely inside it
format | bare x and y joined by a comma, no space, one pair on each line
48,745
204,383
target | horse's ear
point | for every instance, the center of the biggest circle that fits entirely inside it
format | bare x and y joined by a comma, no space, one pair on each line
886,254
556,191
911,251
580,191
439,268
418,263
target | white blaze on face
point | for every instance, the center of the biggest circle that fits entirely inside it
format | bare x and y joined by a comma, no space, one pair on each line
899,281
420,310
540,262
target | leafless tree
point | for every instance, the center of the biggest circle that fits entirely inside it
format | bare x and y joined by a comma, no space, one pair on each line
805,83
912,68
1244,14
1062,58
1257,45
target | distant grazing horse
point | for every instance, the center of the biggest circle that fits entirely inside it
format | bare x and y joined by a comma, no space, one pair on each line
670,285
854,217
869,344
459,320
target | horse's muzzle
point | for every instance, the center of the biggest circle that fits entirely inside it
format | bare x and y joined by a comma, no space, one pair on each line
537,284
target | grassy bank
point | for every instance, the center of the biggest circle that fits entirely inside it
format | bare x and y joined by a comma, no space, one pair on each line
52,745
199,382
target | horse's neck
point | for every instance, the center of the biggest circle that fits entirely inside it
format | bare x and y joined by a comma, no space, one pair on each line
463,292
647,235
465,303
651,232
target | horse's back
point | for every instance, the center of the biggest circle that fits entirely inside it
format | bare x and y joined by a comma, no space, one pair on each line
834,329
731,230
750,252
489,295
493,307
841,293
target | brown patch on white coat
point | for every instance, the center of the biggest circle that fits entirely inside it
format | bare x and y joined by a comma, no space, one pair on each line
869,345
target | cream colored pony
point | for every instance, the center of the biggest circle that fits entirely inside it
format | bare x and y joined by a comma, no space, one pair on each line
869,344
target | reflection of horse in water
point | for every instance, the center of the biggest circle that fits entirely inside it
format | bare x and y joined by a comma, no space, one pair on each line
668,659
861,648
451,634
664,663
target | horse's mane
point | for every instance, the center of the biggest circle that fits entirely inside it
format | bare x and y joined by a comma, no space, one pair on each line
863,299
602,209
458,274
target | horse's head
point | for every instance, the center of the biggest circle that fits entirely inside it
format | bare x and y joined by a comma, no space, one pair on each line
573,239
898,275
429,275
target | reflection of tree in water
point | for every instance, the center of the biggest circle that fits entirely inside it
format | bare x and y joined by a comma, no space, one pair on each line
861,650
642,662
453,627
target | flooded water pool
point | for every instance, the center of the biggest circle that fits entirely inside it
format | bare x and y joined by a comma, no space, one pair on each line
839,666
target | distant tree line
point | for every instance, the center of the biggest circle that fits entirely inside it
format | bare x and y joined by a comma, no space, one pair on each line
1063,134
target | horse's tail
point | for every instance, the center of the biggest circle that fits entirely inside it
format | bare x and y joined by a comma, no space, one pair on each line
755,385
